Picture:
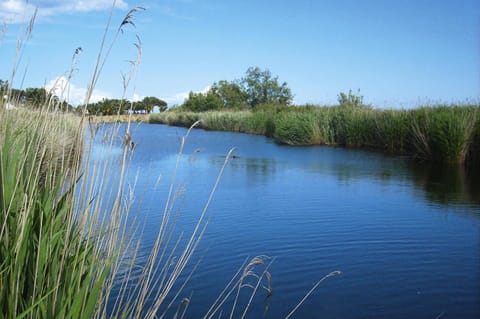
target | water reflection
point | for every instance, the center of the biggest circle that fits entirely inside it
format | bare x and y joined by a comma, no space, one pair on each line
447,184
443,185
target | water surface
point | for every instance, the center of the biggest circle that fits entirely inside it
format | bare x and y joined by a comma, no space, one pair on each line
405,236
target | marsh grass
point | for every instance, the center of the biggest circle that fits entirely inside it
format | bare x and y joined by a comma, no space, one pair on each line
443,133
447,133
46,264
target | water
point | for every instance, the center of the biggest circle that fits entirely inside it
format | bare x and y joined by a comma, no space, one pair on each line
406,237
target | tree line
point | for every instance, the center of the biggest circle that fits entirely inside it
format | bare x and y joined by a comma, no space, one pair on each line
35,98
257,87
118,106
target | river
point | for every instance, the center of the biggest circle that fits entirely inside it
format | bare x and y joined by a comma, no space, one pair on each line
405,236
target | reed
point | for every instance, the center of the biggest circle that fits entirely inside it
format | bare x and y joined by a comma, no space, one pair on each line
445,134
47,265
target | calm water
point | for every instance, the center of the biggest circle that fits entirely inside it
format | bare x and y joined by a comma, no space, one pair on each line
406,237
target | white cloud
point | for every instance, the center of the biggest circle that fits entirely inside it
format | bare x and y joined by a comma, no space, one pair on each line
18,11
175,99
65,90
137,97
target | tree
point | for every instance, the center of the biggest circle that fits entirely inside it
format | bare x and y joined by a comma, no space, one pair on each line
36,97
232,94
200,102
3,85
262,88
150,102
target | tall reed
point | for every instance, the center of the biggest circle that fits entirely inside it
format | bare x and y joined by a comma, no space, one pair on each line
446,134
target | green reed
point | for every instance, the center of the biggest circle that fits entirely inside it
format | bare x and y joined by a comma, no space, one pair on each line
447,134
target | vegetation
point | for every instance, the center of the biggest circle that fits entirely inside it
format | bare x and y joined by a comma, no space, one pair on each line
33,98
121,106
46,266
443,133
256,88
351,100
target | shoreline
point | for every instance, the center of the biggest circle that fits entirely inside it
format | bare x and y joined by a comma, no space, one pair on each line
119,118
442,134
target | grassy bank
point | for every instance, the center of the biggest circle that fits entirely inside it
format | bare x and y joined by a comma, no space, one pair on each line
124,118
448,134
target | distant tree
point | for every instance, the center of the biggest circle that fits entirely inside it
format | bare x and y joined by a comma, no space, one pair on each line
232,94
150,102
262,88
108,107
3,85
256,88
36,97
200,102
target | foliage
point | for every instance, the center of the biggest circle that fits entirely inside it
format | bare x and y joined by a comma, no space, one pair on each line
294,129
120,106
255,89
231,93
147,105
350,99
263,88
199,102
32,98
47,267
438,134
446,133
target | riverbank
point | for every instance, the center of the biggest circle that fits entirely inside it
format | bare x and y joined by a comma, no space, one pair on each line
443,133
119,118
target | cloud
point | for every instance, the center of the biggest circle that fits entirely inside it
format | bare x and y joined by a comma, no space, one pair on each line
18,11
175,99
137,97
65,90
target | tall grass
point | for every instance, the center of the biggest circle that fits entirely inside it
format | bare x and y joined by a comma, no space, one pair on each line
47,267
446,134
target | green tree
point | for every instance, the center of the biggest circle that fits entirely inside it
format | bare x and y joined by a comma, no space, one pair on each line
232,94
107,107
150,102
3,85
263,88
36,97
200,102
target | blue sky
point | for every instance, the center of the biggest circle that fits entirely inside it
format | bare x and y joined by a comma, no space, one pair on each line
399,53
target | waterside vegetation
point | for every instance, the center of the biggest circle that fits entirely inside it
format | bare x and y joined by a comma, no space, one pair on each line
441,133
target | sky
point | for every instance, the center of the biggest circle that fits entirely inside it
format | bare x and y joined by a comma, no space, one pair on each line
398,53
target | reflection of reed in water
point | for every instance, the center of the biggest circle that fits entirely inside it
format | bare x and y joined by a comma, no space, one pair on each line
448,184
